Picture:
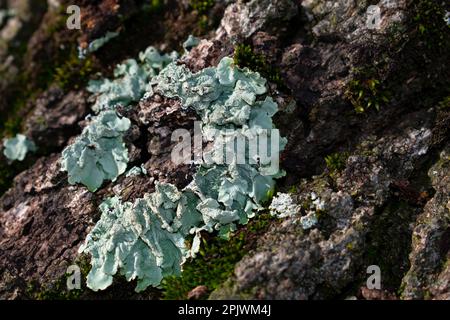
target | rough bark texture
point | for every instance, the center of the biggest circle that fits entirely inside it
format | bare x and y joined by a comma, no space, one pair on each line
387,204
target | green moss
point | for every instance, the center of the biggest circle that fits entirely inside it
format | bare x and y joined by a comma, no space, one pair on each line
336,162
293,189
245,57
58,289
389,242
216,260
365,92
154,5
203,23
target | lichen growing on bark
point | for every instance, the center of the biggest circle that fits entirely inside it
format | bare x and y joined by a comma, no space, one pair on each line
220,197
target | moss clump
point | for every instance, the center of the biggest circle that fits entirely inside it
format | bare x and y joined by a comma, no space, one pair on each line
203,23
202,6
216,260
429,20
365,93
245,57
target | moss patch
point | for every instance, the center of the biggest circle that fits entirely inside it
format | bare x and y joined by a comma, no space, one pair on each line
216,260
202,6
389,243
336,162
120,289
73,72
153,6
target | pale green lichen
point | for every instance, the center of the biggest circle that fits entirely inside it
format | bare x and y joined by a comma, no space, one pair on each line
131,80
143,240
99,153
97,44
284,206
146,239
17,148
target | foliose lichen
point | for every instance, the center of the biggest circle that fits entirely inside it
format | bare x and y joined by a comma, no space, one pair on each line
5,14
147,239
136,171
99,153
131,80
191,42
17,148
225,98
